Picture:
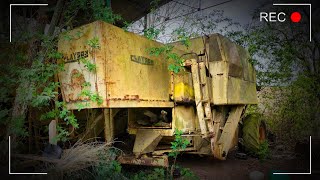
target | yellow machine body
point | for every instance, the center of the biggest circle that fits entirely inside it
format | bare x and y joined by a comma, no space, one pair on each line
126,75
233,76
205,100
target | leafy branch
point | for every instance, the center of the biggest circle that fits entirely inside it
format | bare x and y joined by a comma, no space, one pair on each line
94,43
179,144
91,67
167,51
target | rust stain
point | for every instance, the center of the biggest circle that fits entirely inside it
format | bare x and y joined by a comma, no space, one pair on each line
77,78
146,161
134,97
126,97
110,82
108,102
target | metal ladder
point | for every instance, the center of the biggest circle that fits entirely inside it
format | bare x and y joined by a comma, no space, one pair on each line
202,98
220,137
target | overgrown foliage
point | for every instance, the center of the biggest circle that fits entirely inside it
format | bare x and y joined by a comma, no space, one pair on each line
167,51
109,170
178,145
32,73
37,88
287,63
79,12
263,151
288,73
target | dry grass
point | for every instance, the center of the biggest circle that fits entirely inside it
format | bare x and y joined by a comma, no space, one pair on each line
82,155
75,162
79,157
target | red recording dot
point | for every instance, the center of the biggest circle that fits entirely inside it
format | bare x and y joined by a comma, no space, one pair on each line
295,17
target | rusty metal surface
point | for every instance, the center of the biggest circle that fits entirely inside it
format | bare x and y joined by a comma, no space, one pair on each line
233,76
126,75
146,161
183,88
225,142
185,118
163,132
146,141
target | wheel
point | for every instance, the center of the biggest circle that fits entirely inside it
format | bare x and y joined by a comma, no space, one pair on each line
254,132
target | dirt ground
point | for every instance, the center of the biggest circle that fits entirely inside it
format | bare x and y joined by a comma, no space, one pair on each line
233,168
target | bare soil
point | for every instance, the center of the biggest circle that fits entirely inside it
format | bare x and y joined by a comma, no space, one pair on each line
233,168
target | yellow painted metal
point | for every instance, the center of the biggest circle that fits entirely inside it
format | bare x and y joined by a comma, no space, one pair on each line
146,141
108,124
233,76
163,132
206,97
183,87
183,92
185,118
224,143
146,161
202,145
126,75
197,45
198,96
219,118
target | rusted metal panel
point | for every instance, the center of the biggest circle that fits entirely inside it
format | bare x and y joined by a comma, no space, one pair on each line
126,75
224,143
146,161
132,69
197,45
146,141
161,152
75,73
198,96
183,87
163,132
184,118
233,76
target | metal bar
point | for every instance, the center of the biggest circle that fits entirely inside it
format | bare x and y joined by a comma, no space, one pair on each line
198,96
222,147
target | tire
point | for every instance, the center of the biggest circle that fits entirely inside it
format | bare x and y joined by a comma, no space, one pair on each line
254,132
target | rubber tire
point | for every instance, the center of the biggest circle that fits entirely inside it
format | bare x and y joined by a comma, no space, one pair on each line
253,132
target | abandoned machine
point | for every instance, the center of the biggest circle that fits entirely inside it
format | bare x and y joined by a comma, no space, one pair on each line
131,93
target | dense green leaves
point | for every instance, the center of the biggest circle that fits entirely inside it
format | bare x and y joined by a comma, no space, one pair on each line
182,36
167,52
151,33
104,13
288,72
91,67
94,43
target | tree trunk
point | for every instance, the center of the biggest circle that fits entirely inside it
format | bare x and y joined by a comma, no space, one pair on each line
20,106
55,17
